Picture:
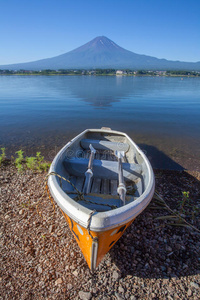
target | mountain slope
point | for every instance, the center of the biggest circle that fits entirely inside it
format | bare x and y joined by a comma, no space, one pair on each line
101,52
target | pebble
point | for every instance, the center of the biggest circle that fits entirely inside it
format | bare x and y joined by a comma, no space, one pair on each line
69,286
163,268
50,228
115,275
85,295
195,285
75,273
58,281
118,296
120,289
189,292
59,233
39,270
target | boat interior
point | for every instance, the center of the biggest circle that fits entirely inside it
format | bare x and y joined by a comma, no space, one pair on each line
103,183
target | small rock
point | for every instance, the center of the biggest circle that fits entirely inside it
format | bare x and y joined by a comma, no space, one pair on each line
168,248
185,266
69,286
163,268
50,228
7,217
118,296
41,283
170,290
132,249
85,295
146,266
195,285
189,293
121,290
94,290
115,275
58,281
75,273
21,211
39,269
67,268
72,267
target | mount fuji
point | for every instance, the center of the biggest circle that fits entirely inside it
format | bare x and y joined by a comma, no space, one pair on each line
103,53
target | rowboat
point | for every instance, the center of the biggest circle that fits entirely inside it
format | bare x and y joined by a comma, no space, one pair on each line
102,181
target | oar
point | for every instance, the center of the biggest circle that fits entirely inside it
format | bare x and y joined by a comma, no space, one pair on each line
121,190
89,173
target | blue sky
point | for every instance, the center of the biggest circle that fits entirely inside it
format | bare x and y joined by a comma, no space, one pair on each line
36,29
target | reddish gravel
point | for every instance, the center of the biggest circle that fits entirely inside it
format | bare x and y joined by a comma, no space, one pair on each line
41,260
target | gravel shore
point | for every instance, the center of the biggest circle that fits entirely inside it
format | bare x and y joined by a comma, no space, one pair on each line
153,260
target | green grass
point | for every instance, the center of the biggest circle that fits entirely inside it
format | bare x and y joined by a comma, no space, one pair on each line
34,163
3,155
19,160
31,163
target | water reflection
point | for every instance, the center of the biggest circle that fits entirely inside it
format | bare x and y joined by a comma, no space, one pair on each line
104,91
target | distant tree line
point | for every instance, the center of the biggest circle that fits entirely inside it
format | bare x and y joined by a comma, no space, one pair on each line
184,73
99,72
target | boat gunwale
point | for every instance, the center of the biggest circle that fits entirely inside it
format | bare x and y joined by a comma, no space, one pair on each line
101,221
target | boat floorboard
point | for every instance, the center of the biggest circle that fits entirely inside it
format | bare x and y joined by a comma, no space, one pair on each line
102,195
98,185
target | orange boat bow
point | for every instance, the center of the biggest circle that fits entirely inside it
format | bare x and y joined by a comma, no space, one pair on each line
94,245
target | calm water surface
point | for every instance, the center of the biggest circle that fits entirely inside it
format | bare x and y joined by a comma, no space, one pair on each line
161,114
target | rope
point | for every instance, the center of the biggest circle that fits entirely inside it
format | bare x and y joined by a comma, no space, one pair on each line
61,177
88,225
81,198
80,194
92,202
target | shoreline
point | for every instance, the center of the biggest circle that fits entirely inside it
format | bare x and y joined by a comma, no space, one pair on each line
103,72
171,159
122,75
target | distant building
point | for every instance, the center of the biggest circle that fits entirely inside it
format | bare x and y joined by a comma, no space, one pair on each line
119,72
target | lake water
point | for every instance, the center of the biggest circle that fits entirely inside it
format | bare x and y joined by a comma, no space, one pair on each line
161,114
